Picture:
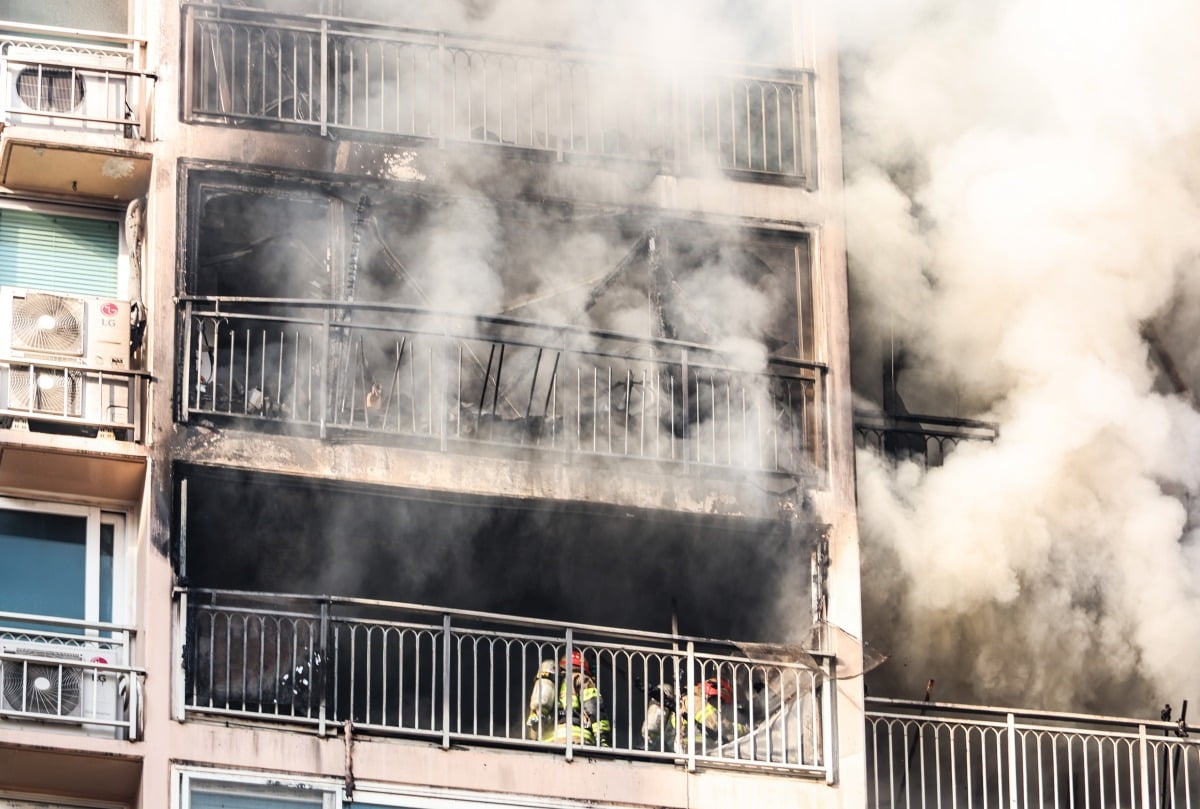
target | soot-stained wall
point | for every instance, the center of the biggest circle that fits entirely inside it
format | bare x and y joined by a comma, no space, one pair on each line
722,577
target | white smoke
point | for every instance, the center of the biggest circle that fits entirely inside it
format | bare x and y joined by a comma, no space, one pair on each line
1021,206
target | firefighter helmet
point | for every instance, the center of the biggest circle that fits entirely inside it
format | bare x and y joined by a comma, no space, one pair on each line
716,687
577,662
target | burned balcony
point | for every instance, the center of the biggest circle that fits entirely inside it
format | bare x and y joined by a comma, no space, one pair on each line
456,323
392,669
450,603
453,382
351,79
923,754
927,440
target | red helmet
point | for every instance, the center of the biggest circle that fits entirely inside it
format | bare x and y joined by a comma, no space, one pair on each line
715,687
578,662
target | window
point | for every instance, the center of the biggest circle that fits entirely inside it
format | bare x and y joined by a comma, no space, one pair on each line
91,15
208,791
61,561
45,250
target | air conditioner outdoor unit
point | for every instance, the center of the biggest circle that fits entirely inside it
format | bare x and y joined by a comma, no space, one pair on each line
89,334
78,330
60,87
54,680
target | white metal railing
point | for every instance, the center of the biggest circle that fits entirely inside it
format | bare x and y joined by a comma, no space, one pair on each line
336,75
456,676
106,401
70,673
930,754
466,380
78,80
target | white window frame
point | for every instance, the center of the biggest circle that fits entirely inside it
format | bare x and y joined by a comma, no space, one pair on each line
95,516
84,212
235,783
333,795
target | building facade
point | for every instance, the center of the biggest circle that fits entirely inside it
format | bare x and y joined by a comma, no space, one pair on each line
372,372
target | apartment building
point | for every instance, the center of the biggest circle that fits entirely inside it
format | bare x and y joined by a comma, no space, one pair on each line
364,361
368,369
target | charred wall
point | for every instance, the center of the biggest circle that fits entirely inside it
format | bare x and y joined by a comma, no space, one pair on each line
722,577
267,235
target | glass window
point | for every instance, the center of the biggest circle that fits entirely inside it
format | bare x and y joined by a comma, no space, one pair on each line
205,799
110,16
238,793
59,253
59,560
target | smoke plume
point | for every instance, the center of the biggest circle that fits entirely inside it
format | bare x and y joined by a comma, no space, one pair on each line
1021,206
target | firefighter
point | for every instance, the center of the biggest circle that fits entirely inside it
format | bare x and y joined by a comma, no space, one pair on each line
548,705
711,711
659,728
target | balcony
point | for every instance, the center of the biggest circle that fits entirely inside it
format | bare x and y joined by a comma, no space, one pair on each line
73,104
69,398
926,440
349,79
69,674
922,754
460,677
378,373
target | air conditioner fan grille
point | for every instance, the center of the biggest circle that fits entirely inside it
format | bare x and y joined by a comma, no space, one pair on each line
50,324
43,688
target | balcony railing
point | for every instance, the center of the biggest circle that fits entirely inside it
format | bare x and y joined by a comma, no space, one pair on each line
100,401
69,673
460,381
925,439
78,80
950,756
349,78
467,677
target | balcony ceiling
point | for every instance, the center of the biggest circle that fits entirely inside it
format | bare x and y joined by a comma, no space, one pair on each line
71,465
66,168
95,774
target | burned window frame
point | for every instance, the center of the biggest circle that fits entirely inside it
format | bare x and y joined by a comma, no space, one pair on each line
201,184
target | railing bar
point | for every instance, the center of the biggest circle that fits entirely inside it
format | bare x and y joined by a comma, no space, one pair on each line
229,375
642,418
537,365
608,407
671,386
412,386
487,376
496,393
393,383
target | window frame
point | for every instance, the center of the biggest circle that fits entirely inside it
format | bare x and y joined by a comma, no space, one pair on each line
333,794
95,516
105,214
252,785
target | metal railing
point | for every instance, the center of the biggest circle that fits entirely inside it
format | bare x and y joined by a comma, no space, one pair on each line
926,439
928,754
465,380
469,677
66,672
347,77
78,80
105,401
